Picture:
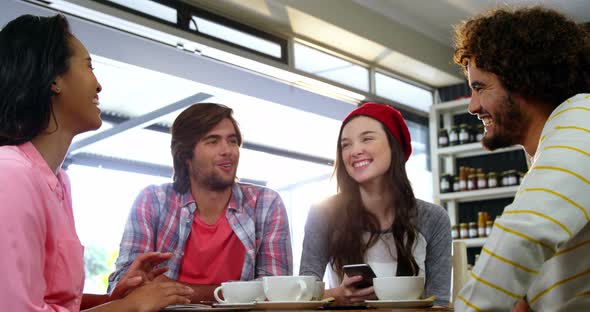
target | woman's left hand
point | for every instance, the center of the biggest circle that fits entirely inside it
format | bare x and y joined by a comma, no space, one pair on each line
143,269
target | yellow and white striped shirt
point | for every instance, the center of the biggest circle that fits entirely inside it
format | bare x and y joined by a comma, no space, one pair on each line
540,246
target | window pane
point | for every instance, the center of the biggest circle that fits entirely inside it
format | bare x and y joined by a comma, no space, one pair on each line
235,36
331,67
403,92
150,8
417,165
100,220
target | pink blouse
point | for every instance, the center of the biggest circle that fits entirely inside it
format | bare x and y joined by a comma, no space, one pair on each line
41,258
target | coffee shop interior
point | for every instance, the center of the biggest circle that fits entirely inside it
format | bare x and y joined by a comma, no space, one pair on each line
291,70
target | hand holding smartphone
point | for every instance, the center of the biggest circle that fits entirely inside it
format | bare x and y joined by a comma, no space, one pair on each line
363,270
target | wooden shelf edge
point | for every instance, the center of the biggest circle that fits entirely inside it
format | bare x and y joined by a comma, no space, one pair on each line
449,106
491,193
471,149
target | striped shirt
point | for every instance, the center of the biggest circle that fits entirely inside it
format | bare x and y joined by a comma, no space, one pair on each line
161,219
539,247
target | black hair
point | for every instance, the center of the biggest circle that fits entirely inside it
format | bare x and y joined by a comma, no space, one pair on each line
34,51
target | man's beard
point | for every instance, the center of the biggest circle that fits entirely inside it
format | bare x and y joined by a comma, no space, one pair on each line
508,126
215,182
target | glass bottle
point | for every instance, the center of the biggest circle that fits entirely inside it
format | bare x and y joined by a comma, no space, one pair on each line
463,178
455,231
463,230
472,132
445,183
472,230
489,225
463,134
481,224
480,133
443,138
512,177
454,136
492,179
482,181
504,178
456,187
472,182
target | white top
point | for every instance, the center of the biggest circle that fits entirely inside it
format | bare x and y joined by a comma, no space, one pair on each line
539,246
382,257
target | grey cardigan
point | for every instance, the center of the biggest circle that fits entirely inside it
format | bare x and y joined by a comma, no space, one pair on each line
432,222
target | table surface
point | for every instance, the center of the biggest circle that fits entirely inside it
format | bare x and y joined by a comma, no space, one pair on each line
354,310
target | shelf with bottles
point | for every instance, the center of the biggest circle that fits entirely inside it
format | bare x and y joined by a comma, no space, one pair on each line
473,184
472,233
459,134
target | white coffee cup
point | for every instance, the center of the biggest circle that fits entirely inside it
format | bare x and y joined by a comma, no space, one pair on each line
289,288
318,293
398,287
240,292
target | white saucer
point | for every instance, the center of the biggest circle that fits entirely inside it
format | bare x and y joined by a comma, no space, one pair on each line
289,305
416,303
249,305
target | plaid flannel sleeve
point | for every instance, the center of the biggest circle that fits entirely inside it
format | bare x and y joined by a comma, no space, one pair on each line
138,236
274,256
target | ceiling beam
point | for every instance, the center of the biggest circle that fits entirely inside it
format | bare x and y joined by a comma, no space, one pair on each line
140,121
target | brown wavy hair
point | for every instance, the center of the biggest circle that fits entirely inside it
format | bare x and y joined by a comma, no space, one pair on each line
350,220
188,129
535,52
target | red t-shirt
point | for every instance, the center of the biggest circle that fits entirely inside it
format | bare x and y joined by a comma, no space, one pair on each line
213,254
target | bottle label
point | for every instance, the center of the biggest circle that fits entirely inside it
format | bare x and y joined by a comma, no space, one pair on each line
481,231
481,184
470,185
444,185
492,183
512,180
443,141
464,233
453,137
462,185
464,136
472,233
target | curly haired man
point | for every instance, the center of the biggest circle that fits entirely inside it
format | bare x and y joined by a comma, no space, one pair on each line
529,71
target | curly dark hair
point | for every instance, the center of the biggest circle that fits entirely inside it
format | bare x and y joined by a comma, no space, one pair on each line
535,52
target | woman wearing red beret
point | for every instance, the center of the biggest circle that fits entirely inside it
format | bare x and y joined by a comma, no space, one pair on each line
374,218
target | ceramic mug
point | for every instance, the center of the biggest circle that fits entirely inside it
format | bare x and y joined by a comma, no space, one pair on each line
289,288
240,292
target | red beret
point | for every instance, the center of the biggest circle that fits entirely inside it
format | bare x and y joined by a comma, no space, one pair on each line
390,117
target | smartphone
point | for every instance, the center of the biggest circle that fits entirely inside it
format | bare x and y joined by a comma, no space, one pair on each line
363,270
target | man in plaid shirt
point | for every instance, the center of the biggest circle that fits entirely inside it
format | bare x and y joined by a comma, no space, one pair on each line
218,229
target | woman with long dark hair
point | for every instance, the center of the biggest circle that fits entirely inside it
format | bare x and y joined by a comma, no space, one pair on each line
49,95
375,218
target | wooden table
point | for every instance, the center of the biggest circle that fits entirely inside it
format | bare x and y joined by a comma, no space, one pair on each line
370,310
348,309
